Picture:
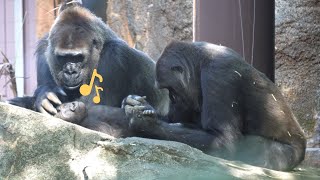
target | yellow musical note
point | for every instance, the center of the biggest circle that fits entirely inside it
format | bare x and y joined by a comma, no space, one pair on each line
86,89
96,99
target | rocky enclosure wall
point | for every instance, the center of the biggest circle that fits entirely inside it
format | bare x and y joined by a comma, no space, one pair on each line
149,25
298,57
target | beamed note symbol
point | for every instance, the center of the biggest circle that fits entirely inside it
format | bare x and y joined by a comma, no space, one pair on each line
86,89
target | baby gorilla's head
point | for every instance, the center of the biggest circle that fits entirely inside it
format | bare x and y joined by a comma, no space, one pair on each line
73,112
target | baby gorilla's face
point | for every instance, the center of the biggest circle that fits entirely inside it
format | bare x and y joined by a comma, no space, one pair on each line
73,112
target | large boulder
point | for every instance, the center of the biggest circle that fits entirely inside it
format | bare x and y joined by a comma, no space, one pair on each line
36,146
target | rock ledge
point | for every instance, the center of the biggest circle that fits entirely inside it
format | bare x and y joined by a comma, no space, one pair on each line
35,146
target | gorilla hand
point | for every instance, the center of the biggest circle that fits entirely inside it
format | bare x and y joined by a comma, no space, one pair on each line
140,112
134,104
47,99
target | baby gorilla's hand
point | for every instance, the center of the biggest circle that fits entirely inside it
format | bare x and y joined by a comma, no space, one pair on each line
140,112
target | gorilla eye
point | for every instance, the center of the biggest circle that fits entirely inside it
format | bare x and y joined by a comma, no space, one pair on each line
73,107
95,42
76,58
177,69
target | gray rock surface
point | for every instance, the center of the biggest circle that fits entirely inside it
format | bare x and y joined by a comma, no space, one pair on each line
35,146
150,25
314,142
312,158
298,58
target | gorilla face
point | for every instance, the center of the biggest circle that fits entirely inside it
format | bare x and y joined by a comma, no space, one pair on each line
174,75
72,112
74,48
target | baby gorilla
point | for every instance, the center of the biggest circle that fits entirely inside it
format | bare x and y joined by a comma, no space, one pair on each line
74,112
95,118
221,105
112,121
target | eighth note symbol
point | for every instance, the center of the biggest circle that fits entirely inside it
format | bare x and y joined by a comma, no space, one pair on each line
85,89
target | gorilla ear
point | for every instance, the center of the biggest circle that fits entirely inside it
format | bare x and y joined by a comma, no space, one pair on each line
69,3
177,69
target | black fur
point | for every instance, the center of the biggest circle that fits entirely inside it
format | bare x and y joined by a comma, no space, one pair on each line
224,106
124,69
79,42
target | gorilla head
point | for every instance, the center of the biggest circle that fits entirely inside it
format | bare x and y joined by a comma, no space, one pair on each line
74,45
180,76
223,106
73,112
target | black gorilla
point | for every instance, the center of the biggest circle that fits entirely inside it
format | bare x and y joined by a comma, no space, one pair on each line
97,117
224,106
79,42
107,120
73,112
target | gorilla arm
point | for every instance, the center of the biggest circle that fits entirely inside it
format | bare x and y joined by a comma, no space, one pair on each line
25,102
109,120
151,127
227,115
131,72
145,123
47,92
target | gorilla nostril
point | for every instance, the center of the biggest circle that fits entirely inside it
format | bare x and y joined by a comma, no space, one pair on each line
71,72
71,77
71,68
73,106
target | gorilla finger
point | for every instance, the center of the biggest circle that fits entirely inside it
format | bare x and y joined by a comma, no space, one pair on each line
149,112
60,91
128,109
41,110
139,108
54,98
48,106
123,103
141,99
138,98
132,101
145,112
133,96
